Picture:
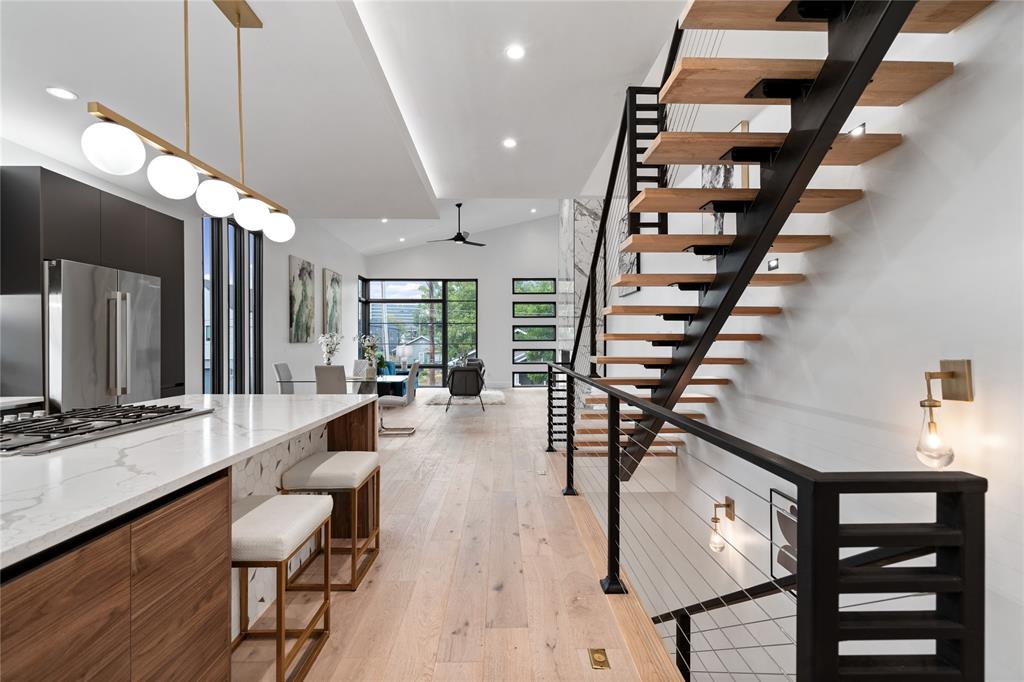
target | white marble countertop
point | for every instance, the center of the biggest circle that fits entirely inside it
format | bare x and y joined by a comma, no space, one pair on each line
10,401
46,499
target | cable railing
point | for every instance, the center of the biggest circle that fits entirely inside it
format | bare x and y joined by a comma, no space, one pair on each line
779,587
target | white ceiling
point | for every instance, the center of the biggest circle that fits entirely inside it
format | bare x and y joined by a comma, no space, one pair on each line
460,96
351,112
478,216
323,134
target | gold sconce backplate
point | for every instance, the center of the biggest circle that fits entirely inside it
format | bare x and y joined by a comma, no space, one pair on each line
961,385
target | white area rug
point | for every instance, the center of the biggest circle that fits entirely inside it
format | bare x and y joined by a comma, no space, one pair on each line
490,398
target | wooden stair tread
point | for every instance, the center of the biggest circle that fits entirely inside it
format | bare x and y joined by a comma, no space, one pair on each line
639,382
598,443
672,243
708,148
660,361
657,451
935,16
644,279
658,336
720,80
632,415
741,310
626,429
686,398
695,199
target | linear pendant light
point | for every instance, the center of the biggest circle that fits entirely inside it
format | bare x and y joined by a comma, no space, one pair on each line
219,193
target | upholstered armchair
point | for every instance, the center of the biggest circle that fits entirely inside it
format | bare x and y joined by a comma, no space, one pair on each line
465,382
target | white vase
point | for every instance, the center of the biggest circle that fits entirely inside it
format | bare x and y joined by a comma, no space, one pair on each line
371,372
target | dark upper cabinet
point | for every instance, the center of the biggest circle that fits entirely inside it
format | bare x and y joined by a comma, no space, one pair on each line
165,258
20,271
70,219
123,234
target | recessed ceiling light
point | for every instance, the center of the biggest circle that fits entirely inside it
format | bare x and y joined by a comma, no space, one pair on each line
509,142
533,210
515,51
383,220
61,93
401,239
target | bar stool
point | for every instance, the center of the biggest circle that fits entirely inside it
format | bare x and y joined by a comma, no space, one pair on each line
266,532
353,474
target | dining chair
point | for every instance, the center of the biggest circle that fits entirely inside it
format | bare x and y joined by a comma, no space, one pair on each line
330,379
360,367
386,401
285,385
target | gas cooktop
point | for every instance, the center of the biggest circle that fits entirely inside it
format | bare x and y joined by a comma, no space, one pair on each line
37,435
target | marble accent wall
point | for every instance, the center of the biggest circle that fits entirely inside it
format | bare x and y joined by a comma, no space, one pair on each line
566,285
586,220
261,475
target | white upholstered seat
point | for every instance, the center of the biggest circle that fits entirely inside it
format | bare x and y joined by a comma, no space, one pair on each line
331,471
271,527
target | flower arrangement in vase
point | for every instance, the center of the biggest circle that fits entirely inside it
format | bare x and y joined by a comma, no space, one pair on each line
329,345
369,345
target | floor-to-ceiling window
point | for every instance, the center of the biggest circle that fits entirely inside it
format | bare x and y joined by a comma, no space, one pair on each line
432,322
232,308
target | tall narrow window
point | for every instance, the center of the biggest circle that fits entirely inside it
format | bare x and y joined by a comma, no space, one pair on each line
212,307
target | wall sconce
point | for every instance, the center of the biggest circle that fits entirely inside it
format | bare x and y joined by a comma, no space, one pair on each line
957,384
716,542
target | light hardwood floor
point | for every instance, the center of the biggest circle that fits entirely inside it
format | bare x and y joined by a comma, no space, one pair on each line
482,575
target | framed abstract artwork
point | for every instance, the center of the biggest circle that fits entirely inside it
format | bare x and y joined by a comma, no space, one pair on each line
332,302
300,300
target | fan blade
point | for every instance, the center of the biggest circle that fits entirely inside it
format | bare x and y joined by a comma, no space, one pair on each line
474,243
432,241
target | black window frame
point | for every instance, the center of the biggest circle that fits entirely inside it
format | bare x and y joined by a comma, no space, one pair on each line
554,355
553,328
216,305
554,286
365,301
516,374
553,304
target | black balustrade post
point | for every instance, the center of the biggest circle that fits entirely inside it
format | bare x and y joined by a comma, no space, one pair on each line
551,409
612,583
570,434
683,643
965,511
817,570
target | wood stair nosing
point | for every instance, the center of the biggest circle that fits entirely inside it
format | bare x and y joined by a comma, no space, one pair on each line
660,361
867,625
699,200
595,443
655,381
740,310
591,430
685,398
660,337
634,415
935,16
771,279
724,80
689,148
677,243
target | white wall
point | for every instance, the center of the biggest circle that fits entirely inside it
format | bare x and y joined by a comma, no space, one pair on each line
314,243
13,154
525,250
929,265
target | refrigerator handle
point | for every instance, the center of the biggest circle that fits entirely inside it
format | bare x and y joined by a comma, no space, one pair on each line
128,350
116,345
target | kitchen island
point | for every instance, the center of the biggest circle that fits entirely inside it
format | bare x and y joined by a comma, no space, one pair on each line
130,506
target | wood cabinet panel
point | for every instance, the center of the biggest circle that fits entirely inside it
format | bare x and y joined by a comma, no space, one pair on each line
165,258
69,219
181,585
356,430
69,619
122,234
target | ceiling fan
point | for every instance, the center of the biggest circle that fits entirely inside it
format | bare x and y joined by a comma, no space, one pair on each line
460,236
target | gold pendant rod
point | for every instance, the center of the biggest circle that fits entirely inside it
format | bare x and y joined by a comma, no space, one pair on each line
241,129
104,113
188,129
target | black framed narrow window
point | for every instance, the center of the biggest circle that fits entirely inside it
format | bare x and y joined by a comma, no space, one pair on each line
524,379
532,356
213,306
529,309
524,285
255,308
533,332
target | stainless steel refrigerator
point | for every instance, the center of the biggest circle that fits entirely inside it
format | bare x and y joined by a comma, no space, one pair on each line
101,335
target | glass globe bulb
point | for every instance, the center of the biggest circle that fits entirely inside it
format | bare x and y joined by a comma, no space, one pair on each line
930,449
113,148
172,176
217,198
251,214
716,542
279,227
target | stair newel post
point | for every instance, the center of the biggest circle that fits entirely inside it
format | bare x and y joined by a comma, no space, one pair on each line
612,583
551,409
966,511
817,607
570,434
683,643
